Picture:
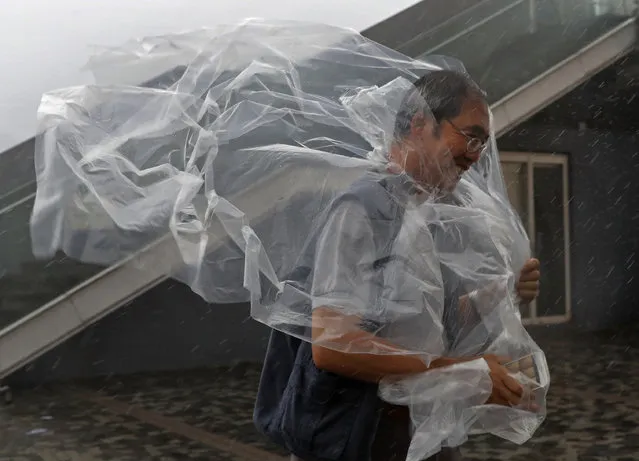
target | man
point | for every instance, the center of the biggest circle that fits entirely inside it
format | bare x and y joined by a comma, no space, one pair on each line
321,403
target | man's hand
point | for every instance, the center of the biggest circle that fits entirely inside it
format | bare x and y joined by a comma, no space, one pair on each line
528,283
506,390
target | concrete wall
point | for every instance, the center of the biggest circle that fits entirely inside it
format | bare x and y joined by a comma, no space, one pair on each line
167,328
604,213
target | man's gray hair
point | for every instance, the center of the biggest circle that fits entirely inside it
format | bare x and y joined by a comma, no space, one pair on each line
439,94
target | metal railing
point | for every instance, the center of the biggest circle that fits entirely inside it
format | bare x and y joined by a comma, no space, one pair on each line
536,11
620,7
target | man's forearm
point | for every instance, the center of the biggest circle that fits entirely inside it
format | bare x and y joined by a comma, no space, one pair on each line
373,367
465,307
364,356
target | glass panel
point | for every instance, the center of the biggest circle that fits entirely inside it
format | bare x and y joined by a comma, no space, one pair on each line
516,179
17,176
504,45
25,283
550,238
526,311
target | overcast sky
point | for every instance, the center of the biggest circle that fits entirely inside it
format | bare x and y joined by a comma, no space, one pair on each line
46,42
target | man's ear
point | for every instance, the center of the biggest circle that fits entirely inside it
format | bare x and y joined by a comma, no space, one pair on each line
419,123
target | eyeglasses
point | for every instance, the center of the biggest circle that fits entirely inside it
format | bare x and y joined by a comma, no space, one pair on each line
474,144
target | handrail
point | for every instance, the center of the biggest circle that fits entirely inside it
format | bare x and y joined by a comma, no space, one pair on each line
476,25
627,7
444,24
17,203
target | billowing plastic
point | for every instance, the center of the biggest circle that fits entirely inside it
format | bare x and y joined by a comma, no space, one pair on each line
245,149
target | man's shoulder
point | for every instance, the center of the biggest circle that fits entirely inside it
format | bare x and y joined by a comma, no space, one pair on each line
380,196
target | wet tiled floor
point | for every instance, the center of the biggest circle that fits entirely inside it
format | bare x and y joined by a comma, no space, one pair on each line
206,415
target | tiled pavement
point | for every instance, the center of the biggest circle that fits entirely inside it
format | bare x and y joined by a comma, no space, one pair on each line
206,415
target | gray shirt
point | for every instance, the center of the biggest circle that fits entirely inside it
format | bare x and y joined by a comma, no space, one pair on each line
409,305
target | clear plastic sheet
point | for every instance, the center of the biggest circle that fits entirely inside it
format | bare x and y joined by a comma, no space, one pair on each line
267,153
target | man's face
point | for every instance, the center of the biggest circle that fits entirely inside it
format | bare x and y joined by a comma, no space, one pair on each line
440,154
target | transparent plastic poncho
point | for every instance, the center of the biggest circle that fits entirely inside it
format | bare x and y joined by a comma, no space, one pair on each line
238,145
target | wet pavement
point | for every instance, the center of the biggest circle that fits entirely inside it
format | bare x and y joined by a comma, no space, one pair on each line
206,415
